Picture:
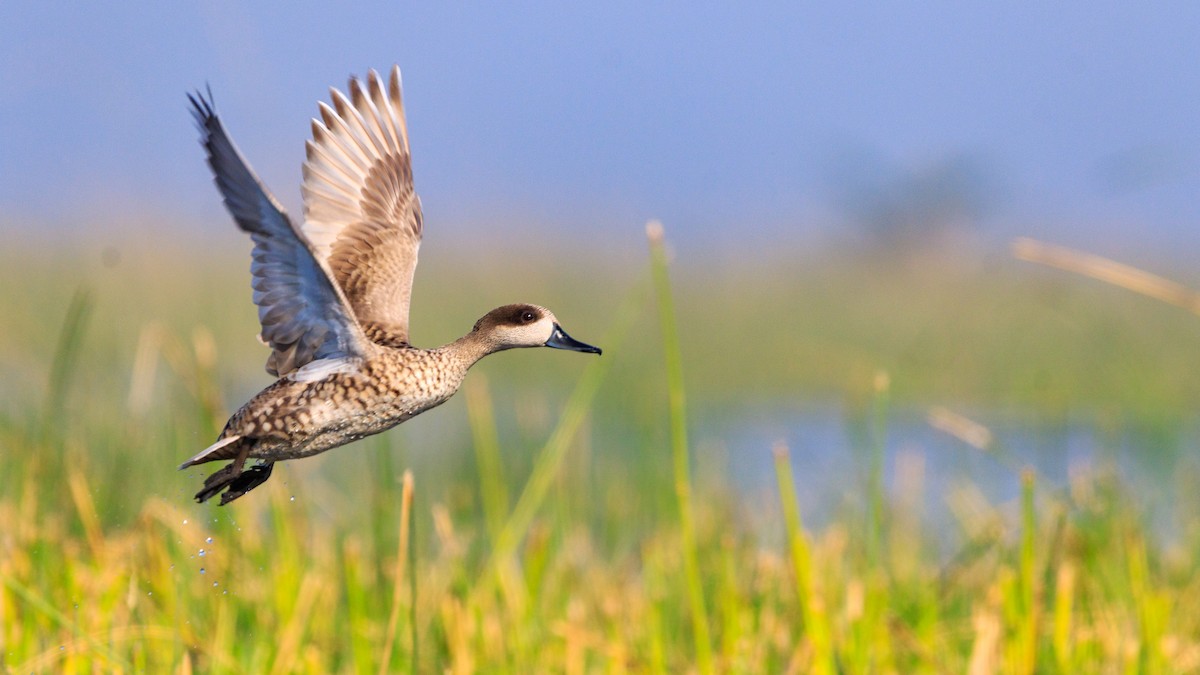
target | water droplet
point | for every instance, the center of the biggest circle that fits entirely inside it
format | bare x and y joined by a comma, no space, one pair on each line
202,552
293,498
172,567
185,521
62,648
214,584
202,570
209,540
149,592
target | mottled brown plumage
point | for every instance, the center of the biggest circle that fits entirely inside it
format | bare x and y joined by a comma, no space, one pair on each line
333,293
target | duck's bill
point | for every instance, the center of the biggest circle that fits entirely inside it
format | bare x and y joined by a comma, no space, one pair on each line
560,340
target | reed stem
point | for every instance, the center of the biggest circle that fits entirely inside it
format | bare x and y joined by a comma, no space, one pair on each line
677,412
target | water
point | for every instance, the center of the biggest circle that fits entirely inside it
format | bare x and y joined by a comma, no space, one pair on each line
831,459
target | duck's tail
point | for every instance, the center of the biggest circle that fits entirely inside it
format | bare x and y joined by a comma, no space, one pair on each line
225,448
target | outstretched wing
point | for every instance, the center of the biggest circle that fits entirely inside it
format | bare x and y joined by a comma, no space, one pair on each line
361,213
303,314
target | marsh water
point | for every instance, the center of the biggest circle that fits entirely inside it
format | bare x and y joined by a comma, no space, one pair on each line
943,478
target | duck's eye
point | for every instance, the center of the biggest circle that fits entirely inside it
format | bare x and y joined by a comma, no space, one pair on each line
528,317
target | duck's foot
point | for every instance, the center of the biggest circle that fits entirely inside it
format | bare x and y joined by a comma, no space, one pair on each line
234,481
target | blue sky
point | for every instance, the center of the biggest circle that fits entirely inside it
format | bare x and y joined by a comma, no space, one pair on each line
1084,115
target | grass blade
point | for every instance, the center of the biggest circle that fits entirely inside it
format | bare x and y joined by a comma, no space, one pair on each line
1108,271
66,355
407,551
677,407
876,493
811,606
1064,597
1028,628
482,419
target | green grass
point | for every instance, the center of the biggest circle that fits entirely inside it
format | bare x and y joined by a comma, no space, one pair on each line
570,514
680,459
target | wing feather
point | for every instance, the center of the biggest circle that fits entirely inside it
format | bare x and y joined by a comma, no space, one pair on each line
304,315
362,214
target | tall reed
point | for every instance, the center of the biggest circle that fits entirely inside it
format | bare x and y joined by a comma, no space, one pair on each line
680,461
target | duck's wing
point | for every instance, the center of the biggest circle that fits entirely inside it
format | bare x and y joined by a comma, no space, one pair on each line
304,315
361,213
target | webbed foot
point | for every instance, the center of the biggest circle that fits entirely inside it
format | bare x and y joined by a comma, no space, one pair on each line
234,481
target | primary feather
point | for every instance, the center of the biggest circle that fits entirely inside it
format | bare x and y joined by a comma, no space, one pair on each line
304,315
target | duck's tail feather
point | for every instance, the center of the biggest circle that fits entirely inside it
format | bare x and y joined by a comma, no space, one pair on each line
225,448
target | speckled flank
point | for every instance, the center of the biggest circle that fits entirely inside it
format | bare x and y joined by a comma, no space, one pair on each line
291,419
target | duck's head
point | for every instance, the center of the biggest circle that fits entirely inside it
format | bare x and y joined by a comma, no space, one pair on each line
526,326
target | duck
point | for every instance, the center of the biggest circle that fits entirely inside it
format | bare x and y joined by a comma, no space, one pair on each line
333,292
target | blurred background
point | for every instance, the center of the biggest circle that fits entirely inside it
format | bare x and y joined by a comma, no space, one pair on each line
839,184
738,127
980,446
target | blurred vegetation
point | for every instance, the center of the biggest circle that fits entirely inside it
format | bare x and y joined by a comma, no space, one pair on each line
555,524
903,210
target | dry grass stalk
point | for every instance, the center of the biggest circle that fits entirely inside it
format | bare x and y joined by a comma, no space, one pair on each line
1108,271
